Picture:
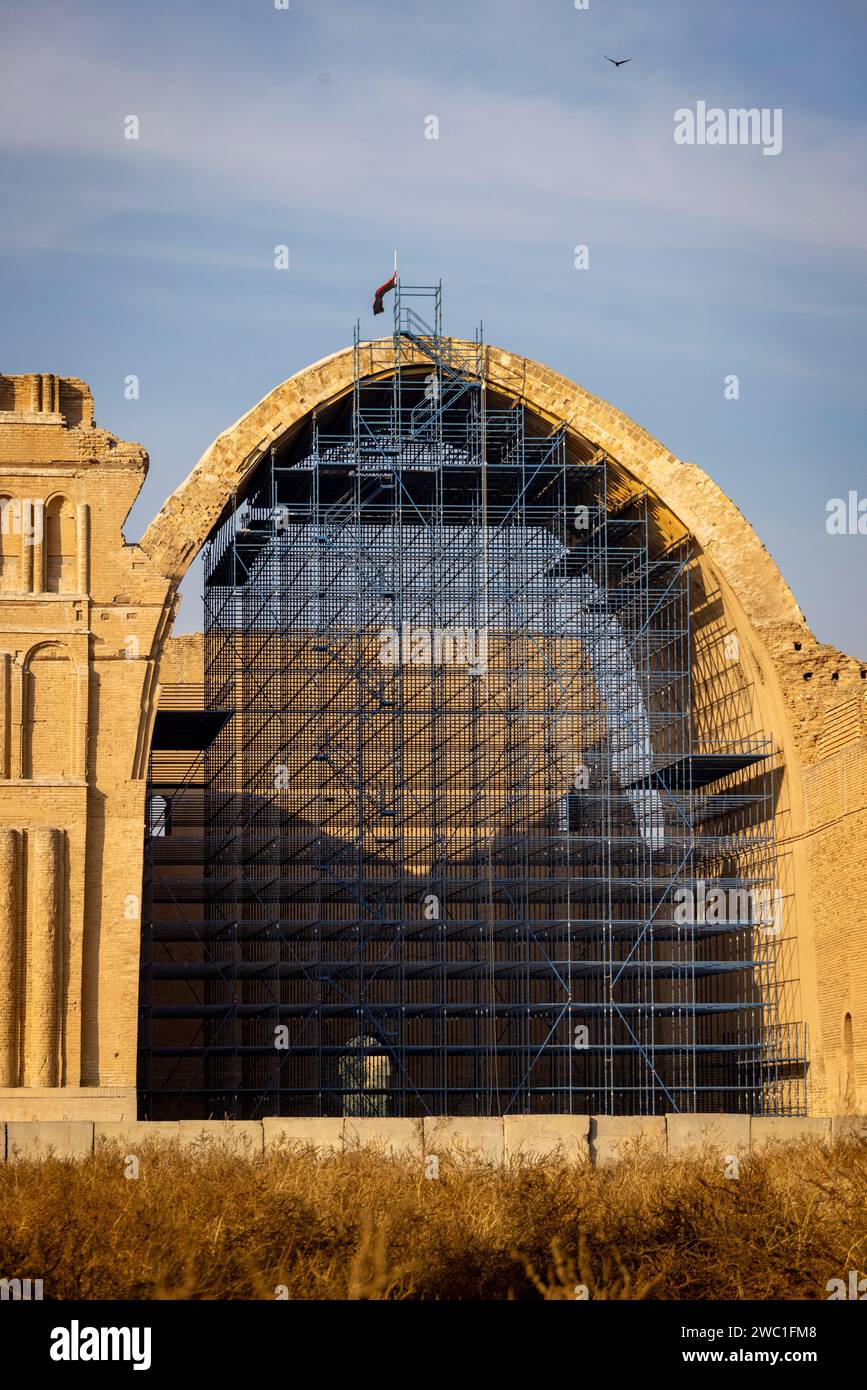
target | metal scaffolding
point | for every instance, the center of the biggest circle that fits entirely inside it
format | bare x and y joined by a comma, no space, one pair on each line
459,850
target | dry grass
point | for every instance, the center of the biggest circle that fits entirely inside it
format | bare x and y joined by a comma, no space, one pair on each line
208,1225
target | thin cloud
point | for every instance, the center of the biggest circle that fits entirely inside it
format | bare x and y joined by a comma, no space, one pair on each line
525,162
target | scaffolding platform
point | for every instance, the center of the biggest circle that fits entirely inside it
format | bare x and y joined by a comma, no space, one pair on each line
444,801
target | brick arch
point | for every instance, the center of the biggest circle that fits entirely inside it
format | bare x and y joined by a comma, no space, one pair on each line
60,544
10,543
778,653
732,563
184,522
49,713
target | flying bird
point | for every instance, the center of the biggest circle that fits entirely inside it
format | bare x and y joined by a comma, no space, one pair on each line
618,62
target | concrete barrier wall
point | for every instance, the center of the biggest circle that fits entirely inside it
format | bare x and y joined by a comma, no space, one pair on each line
597,1138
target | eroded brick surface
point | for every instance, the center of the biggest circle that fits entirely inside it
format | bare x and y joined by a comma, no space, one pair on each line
85,619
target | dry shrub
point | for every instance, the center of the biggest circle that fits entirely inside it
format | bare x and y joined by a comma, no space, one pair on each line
203,1223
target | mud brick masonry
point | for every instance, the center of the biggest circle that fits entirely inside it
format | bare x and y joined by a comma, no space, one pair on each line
85,642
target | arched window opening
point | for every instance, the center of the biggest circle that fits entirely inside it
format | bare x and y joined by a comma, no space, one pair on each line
60,546
49,713
365,1077
159,816
10,545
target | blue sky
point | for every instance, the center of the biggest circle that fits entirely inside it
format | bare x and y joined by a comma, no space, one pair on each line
261,127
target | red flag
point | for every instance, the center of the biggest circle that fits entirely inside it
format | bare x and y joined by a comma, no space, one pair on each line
378,307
